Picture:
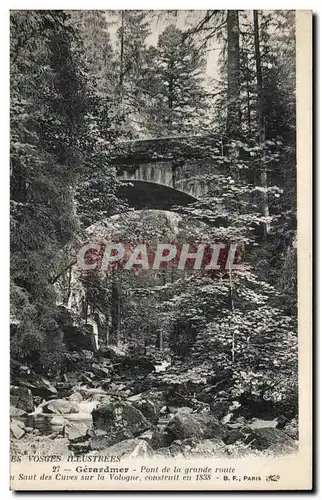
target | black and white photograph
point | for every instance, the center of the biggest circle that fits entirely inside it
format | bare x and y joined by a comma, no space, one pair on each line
154,248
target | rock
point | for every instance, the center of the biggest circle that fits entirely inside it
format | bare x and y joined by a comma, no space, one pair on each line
234,435
189,448
52,325
113,353
234,425
147,436
117,415
131,448
212,428
240,420
37,401
17,412
100,371
21,397
76,431
80,448
212,448
158,398
292,429
182,426
269,438
64,386
136,397
219,408
87,355
160,439
101,441
187,425
39,386
163,452
175,409
78,338
76,396
99,397
61,407
257,423
149,410
57,423
29,429
119,387
40,445
144,363
54,435
17,429
87,376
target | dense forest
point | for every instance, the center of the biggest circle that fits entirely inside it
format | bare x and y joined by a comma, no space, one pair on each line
209,355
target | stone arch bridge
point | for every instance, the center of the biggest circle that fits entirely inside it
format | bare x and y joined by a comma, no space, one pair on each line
162,173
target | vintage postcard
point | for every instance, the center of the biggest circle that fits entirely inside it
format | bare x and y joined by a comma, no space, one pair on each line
160,188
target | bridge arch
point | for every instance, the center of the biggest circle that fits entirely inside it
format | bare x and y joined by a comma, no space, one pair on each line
142,194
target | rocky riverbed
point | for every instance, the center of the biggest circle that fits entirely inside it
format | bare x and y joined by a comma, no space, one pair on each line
110,404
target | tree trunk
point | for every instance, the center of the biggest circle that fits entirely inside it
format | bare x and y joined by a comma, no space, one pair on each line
114,337
261,127
233,106
121,76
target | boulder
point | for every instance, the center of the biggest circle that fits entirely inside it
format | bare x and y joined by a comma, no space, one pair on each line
186,425
157,398
212,448
21,397
136,397
61,407
159,439
102,440
147,436
81,448
40,445
78,338
57,423
17,412
100,371
39,386
17,429
149,410
143,363
113,353
234,435
270,438
292,429
219,408
183,425
258,423
76,431
76,397
86,377
130,448
117,415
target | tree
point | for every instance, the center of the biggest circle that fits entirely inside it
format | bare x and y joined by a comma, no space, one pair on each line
48,107
96,192
131,37
173,85
233,81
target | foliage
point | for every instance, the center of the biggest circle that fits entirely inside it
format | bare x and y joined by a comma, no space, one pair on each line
77,90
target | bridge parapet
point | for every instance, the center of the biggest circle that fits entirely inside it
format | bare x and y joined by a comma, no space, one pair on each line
168,149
